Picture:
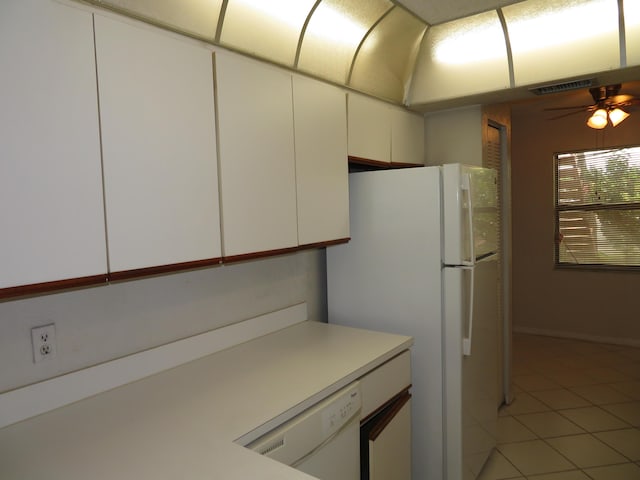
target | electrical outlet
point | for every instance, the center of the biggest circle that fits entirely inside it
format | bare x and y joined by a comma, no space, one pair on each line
44,342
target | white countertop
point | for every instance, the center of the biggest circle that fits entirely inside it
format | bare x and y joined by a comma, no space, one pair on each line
182,423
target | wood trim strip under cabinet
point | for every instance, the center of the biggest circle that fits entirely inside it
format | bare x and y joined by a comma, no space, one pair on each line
173,267
253,255
50,287
281,251
380,164
46,287
368,162
324,244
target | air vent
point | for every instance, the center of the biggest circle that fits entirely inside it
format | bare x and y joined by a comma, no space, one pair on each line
270,447
562,87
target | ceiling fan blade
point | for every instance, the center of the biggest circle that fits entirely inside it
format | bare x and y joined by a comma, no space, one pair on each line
565,115
621,98
626,105
570,108
632,107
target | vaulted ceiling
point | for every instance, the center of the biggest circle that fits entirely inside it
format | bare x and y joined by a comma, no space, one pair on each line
427,54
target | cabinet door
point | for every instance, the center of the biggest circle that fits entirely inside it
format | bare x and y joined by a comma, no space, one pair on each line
407,137
390,444
369,128
51,208
159,147
257,165
321,161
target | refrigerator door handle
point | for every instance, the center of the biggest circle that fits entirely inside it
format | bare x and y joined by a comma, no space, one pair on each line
467,186
466,340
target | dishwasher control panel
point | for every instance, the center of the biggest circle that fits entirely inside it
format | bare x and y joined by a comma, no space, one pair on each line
340,411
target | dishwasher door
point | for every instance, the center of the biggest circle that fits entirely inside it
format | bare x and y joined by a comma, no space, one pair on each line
323,441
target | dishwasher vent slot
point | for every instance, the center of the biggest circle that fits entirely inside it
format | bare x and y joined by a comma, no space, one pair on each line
270,447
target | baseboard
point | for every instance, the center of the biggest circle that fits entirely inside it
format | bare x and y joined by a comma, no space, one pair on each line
630,342
41,397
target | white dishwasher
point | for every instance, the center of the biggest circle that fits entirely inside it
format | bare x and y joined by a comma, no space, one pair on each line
323,441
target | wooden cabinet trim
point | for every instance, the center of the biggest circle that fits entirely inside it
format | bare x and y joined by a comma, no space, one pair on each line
95,280
381,165
254,255
281,251
47,287
328,243
160,269
368,162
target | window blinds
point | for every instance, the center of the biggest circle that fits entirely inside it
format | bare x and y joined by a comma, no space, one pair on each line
598,208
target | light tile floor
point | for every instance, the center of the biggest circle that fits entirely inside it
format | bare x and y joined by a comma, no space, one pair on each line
576,413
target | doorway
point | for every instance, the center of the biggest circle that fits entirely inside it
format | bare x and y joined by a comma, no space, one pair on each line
497,157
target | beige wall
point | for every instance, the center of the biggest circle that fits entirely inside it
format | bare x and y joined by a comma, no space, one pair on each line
601,306
454,136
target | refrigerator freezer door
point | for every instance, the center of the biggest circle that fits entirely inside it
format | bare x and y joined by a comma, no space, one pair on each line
470,380
470,201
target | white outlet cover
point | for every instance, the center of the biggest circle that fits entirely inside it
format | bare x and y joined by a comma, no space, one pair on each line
43,340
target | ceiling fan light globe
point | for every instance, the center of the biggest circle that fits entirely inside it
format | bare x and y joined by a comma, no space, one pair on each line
617,115
598,120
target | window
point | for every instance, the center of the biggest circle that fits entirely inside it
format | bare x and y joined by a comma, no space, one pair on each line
598,208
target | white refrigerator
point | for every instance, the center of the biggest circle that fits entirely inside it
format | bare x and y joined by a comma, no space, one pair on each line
422,262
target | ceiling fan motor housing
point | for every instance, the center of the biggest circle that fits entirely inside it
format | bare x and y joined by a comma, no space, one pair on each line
601,94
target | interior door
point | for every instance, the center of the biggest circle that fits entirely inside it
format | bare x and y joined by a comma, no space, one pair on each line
497,159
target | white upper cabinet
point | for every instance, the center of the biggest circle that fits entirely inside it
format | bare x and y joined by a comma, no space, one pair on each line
407,137
384,133
51,208
321,161
257,164
159,146
369,128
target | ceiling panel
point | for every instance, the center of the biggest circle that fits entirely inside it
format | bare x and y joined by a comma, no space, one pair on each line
461,58
333,34
551,39
265,29
386,59
632,29
440,11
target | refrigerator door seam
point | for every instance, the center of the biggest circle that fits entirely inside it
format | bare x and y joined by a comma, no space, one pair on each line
466,341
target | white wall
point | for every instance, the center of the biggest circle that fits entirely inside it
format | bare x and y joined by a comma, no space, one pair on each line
98,324
454,136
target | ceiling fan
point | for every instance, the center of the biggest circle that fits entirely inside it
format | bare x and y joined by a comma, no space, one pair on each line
609,106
